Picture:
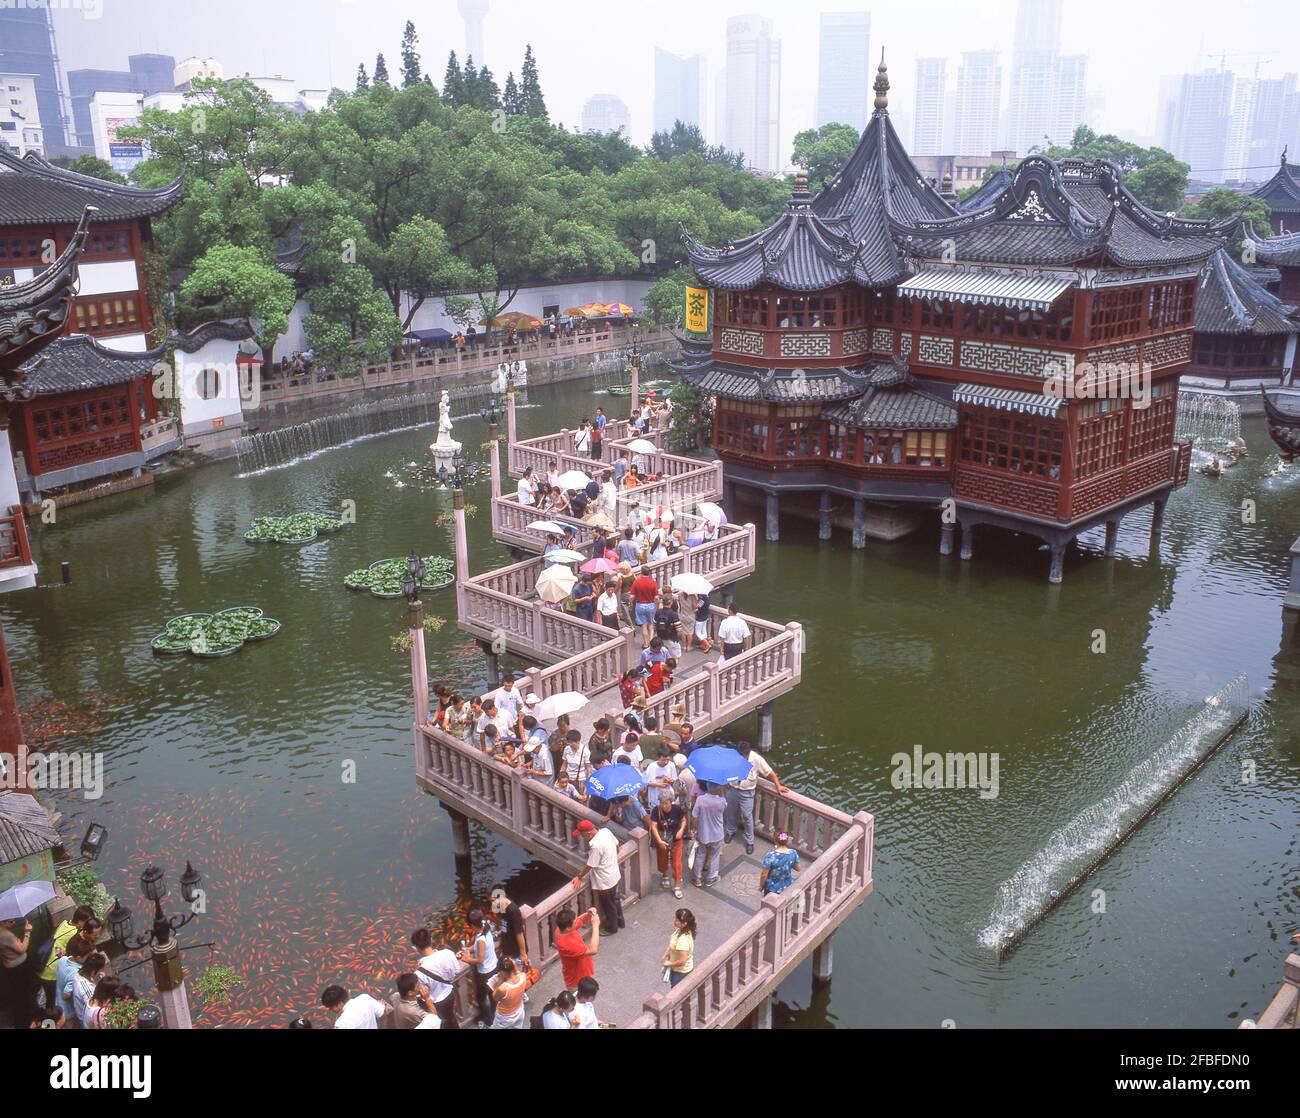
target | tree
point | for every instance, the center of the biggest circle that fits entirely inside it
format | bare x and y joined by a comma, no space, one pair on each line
410,59
381,71
363,79
231,281
90,165
532,103
487,96
453,82
823,151
510,96
1221,204
664,299
687,139
1153,175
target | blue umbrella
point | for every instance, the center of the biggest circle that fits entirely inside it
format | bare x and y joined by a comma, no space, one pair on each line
718,764
616,780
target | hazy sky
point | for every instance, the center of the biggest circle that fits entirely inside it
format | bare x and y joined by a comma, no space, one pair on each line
610,48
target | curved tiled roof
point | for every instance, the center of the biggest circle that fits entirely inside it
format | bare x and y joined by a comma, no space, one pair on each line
895,399
1064,213
34,313
34,192
987,192
197,338
1282,191
842,234
1232,301
77,361
793,386
1280,251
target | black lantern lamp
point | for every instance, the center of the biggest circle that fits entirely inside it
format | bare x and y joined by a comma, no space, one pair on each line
416,572
121,925
491,411
191,879
152,883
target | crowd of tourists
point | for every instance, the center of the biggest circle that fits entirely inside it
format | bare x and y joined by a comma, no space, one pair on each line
63,983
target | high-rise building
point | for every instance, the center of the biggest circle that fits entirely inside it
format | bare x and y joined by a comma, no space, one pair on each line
148,73
20,115
27,47
977,100
844,69
1263,122
1048,95
474,12
1201,122
191,69
753,110
1070,107
604,112
719,134
928,113
679,90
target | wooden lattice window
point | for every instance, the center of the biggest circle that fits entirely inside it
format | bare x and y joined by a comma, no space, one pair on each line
1101,438
1170,305
1012,443
1115,314
1151,429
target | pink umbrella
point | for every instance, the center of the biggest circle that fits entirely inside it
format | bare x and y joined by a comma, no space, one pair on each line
598,566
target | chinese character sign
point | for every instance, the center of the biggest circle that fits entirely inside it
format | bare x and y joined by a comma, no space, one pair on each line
696,317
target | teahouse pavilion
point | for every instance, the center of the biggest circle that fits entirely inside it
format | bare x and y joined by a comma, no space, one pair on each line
877,345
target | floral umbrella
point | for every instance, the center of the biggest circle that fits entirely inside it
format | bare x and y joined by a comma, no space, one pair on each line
619,310
517,319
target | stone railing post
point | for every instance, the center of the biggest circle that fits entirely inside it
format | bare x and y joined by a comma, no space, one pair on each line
510,423
539,625
796,653
686,560
640,861
518,802
711,697
534,682
462,544
631,651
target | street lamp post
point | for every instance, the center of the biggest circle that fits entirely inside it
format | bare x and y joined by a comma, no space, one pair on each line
169,976
491,413
412,583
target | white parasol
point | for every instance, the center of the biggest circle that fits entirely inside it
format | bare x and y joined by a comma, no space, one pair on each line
555,583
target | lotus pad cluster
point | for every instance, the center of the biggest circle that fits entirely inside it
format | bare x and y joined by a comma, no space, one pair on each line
384,579
215,634
301,527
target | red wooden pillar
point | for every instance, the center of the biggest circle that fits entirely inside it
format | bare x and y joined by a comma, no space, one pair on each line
11,727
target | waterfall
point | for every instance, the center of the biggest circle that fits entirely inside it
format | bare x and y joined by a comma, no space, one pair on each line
268,450
1212,423
1074,850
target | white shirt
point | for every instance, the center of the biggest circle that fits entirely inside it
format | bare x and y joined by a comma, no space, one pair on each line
758,766
633,754
437,972
656,771
603,860
577,763
541,762
554,1019
431,1021
525,491
508,702
608,499
489,963
362,1012
582,441
607,604
733,630
585,1014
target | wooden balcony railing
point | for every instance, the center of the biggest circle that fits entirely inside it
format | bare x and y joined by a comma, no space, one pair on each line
15,546
1283,1011
159,433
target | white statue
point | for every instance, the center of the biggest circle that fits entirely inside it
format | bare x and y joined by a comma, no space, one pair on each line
444,418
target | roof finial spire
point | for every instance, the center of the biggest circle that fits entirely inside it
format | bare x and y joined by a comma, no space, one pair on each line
882,83
801,182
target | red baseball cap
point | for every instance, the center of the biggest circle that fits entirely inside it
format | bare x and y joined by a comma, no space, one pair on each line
584,828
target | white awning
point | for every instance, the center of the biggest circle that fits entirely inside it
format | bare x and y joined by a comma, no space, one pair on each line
998,289
1008,399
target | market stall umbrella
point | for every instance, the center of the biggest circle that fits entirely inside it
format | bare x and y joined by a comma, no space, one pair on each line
615,780
580,312
566,702
688,582
518,319
564,555
619,310
547,526
711,512
573,479
598,566
642,446
718,764
592,310
27,896
555,584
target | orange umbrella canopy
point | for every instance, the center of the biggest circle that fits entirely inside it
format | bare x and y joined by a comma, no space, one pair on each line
517,319
618,310
593,310
578,311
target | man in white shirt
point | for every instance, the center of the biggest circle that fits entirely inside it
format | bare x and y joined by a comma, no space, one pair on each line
361,1012
576,762
733,633
602,865
527,488
660,774
540,763
508,699
437,972
740,796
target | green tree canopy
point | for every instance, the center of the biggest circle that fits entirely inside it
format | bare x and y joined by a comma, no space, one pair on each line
531,101
233,281
687,139
1221,204
1154,176
90,165
411,73
823,151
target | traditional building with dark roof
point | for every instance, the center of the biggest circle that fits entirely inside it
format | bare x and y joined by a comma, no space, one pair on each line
1018,357
1245,335
1282,193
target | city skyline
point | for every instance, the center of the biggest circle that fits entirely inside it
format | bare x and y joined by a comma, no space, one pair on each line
326,50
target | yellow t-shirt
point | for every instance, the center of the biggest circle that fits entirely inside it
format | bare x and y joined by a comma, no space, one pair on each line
683,941
62,934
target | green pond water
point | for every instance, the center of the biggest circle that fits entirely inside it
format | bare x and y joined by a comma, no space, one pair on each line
240,763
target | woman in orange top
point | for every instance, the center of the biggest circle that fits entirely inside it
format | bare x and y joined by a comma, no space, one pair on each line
509,996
